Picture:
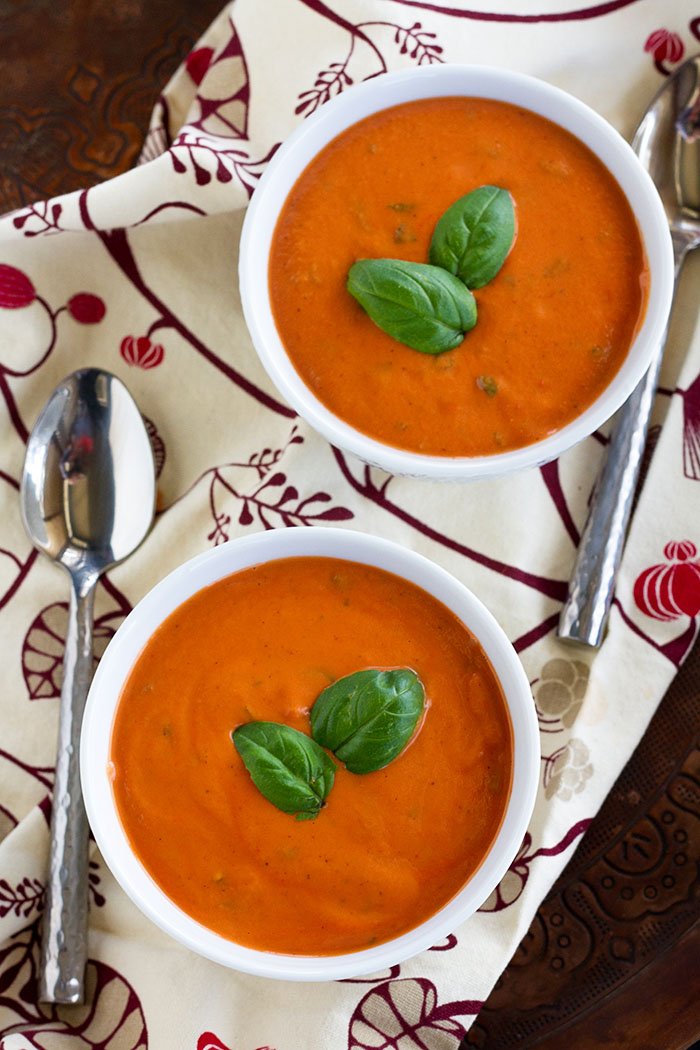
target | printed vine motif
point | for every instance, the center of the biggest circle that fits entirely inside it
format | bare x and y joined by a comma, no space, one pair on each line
27,896
272,502
17,292
415,42
42,217
205,145
377,491
21,900
112,1015
514,881
691,426
44,642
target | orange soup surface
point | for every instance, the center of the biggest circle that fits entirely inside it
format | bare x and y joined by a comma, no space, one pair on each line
389,848
553,326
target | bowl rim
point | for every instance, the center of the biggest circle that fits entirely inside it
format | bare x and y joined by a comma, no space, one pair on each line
389,89
212,565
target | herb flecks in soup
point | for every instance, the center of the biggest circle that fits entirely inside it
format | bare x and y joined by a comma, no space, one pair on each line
554,325
390,847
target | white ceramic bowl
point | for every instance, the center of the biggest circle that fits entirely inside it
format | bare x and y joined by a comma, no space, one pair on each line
203,570
429,82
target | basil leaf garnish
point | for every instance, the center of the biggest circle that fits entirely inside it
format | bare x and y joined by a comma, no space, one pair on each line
366,718
422,306
474,236
286,766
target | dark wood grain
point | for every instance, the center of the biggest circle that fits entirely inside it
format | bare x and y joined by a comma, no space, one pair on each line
611,958
78,80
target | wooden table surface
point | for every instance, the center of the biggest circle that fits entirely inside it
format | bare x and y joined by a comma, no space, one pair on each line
612,956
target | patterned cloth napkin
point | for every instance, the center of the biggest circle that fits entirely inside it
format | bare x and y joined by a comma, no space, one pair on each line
138,275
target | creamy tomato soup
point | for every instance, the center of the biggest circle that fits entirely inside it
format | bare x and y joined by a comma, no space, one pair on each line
390,847
553,326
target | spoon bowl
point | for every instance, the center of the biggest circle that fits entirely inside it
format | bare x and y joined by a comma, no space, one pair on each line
667,141
87,500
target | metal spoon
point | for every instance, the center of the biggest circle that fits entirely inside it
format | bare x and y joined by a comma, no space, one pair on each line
87,497
667,142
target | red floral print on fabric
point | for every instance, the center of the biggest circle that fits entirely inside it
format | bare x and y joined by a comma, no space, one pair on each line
197,63
209,1041
86,308
665,47
373,42
16,290
22,899
672,589
112,1016
405,1015
141,352
44,643
691,428
514,881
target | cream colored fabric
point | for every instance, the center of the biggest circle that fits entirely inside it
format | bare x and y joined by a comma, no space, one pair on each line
173,331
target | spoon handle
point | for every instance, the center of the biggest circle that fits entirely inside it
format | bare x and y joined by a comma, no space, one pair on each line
64,932
592,584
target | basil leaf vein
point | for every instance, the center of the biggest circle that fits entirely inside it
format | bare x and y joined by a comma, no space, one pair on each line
421,305
474,236
367,718
291,770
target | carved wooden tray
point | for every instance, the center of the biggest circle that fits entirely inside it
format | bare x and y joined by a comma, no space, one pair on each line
612,955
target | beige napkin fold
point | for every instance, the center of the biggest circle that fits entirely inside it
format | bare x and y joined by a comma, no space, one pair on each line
138,275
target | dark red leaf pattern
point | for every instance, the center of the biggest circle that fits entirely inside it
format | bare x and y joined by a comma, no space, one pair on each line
111,1019
42,652
157,445
41,217
513,882
446,945
16,290
405,1015
418,44
197,63
272,501
22,899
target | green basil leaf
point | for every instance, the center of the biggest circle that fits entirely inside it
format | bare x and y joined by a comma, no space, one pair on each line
286,766
367,718
474,236
422,306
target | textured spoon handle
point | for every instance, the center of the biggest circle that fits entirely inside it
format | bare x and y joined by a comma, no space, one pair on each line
592,584
64,933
